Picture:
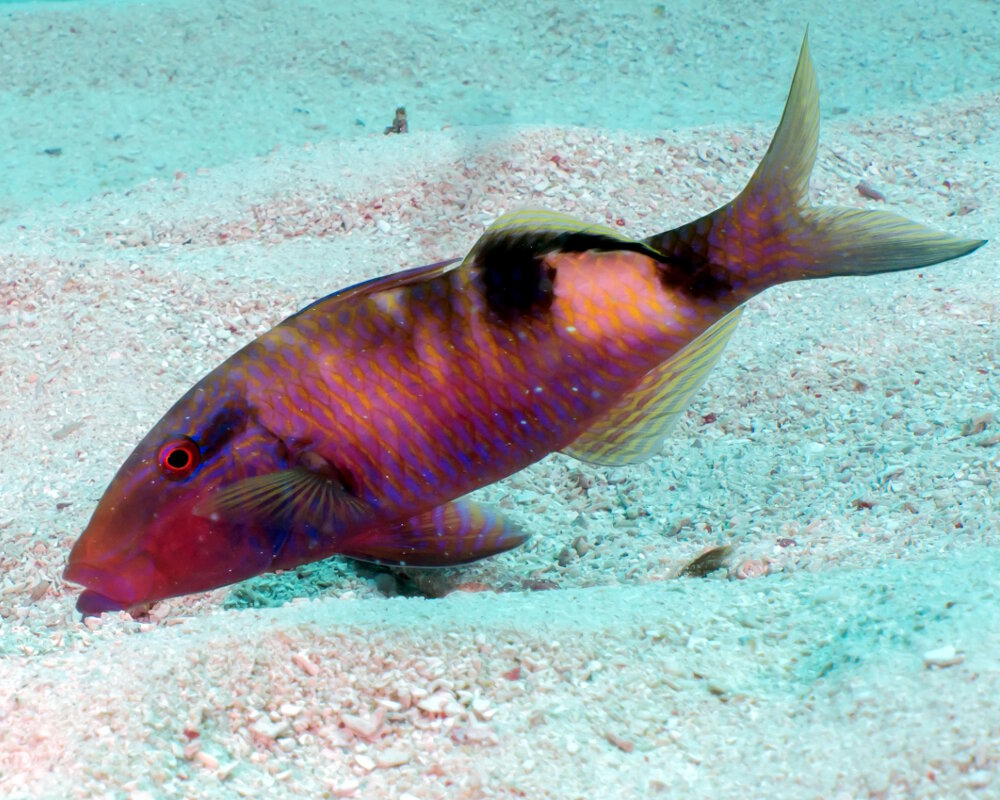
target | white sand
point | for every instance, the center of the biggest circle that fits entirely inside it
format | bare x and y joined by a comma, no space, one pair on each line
846,447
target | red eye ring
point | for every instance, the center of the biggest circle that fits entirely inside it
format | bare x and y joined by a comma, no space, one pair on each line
179,458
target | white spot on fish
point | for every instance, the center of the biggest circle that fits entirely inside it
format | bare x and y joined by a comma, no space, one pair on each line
391,303
571,329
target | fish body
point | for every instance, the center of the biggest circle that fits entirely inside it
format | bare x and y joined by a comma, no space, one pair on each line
356,426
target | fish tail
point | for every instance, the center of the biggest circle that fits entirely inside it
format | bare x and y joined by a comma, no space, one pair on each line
770,233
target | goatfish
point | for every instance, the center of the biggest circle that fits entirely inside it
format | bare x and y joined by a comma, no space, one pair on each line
357,426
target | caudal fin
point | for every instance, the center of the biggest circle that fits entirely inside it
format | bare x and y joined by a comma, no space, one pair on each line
770,233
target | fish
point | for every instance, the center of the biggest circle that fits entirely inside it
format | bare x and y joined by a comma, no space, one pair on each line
358,426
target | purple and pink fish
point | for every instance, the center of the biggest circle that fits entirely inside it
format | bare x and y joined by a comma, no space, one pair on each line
357,426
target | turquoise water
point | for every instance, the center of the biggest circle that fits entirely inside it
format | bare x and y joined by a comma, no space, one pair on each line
102,96
846,447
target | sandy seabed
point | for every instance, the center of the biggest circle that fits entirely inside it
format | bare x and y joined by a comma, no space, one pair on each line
846,447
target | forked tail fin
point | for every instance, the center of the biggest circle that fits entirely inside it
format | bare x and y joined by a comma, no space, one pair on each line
770,233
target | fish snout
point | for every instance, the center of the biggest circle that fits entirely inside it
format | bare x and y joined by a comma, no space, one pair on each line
111,586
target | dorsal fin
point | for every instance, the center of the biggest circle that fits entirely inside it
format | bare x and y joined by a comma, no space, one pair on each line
633,430
549,231
383,283
536,220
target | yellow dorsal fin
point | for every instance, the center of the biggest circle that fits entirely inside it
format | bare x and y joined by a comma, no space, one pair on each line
534,220
634,429
550,231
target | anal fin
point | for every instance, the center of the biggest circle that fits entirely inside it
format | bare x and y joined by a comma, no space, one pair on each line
634,429
454,533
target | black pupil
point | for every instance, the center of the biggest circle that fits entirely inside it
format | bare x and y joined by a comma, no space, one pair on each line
178,458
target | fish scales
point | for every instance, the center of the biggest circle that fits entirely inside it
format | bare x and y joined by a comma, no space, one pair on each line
446,394
357,426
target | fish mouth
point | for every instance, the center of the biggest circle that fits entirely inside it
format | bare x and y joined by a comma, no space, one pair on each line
111,589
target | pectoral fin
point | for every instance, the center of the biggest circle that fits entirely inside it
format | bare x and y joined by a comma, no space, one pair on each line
290,499
454,533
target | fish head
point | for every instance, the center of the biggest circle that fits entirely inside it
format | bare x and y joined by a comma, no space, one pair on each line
147,540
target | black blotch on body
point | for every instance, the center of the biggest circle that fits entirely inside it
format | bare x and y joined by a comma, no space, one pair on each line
516,279
685,266
696,277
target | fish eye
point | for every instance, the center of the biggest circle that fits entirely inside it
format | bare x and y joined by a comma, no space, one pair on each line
179,458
